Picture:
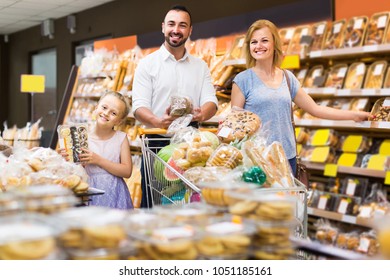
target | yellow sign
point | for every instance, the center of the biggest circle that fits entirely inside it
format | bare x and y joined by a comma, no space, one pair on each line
291,62
320,154
347,159
32,83
352,143
384,149
376,162
330,170
321,137
387,178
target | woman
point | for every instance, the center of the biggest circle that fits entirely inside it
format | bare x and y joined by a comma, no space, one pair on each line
263,89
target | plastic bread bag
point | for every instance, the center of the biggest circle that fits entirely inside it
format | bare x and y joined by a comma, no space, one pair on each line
375,204
180,105
368,243
9,134
179,123
325,233
225,156
73,138
348,240
191,149
237,124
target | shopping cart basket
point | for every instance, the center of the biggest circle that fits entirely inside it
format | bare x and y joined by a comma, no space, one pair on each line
164,191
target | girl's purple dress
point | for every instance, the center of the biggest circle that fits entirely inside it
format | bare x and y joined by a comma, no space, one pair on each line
117,194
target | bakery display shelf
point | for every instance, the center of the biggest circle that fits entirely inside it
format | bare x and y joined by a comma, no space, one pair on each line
78,95
354,51
349,170
370,126
333,92
319,249
340,217
235,62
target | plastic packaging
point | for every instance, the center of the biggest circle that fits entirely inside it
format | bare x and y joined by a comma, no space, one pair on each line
376,29
355,31
72,138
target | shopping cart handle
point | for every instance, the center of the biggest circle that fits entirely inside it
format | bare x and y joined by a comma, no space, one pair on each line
143,131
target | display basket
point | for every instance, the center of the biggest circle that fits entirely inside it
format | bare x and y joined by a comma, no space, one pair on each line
163,191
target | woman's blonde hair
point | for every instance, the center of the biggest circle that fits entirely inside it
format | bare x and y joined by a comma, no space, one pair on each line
278,53
121,98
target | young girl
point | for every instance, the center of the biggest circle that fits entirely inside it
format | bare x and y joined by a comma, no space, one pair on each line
107,159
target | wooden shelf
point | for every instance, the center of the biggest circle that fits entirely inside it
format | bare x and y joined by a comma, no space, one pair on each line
235,62
351,52
340,217
333,92
349,170
370,126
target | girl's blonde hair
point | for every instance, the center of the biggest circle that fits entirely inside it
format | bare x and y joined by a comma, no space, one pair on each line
121,98
278,53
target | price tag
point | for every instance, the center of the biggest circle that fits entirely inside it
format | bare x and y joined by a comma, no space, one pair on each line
342,92
365,212
337,27
386,102
321,137
348,219
360,69
384,148
387,178
347,159
289,33
385,91
371,48
352,143
330,170
351,187
326,123
382,22
305,122
342,71
342,209
304,31
322,202
362,103
364,244
378,70
224,132
315,53
358,23
369,91
316,73
329,90
320,29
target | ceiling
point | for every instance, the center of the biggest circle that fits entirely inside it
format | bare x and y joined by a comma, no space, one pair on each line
17,15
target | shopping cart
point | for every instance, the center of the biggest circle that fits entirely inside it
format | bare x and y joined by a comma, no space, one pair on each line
164,191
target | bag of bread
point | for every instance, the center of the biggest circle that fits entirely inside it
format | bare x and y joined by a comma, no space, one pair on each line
237,124
72,138
180,105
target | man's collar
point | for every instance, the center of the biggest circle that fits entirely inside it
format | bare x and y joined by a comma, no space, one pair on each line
167,54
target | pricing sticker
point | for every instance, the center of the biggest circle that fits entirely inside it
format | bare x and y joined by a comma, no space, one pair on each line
225,132
337,28
358,24
378,70
342,209
351,187
382,21
365,212
302,74
342,71
320,29
322,202
304,31
289,33
360,69
364,244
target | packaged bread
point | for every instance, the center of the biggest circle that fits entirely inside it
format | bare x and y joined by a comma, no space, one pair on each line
368,243
376,74
323,137
359,104
355,75
377,28
379,112
286,35
301,135
347,205
225,238
334,37
29,237
238,124
355,186
325,232
225,156
355,31
322,154
319,31
91,228
295,46
347,240
340,103
236,51
73,138
314,72
355,144
336,75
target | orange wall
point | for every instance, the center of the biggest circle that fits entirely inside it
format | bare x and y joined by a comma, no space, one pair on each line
350,8
120,44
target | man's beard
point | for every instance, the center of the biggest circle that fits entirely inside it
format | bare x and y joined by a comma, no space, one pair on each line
175,45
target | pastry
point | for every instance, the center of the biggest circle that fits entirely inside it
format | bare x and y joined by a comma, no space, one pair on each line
27,250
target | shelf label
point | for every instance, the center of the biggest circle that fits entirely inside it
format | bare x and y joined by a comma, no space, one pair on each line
329,90
385,91
320,29
321,137
387,178
326,123
344,92
382,22
378,70
351,187
348,219
224,132
316,54
330,170
369,91
304,122
347,159
322,202
371,48
337,27
383,124
364,124
384,148
342,209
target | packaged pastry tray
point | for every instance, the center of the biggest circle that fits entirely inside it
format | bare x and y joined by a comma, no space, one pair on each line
379,112
237,50
196,211
376,74
334,37
359,104
354,32
319,31
73,138
355,76
314,72
286,35
336,76
295,43
386,82
355,186
377,28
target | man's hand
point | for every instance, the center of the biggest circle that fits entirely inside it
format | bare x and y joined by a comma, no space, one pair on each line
198,115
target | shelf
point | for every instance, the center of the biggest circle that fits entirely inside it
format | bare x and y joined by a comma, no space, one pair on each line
340,217
328,92
235,62
87,96
355,51
347,125
349,170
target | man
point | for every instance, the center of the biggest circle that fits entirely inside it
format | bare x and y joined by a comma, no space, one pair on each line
171,70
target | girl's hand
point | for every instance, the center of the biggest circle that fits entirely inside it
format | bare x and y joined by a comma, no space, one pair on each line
361,116
87,157
63,153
